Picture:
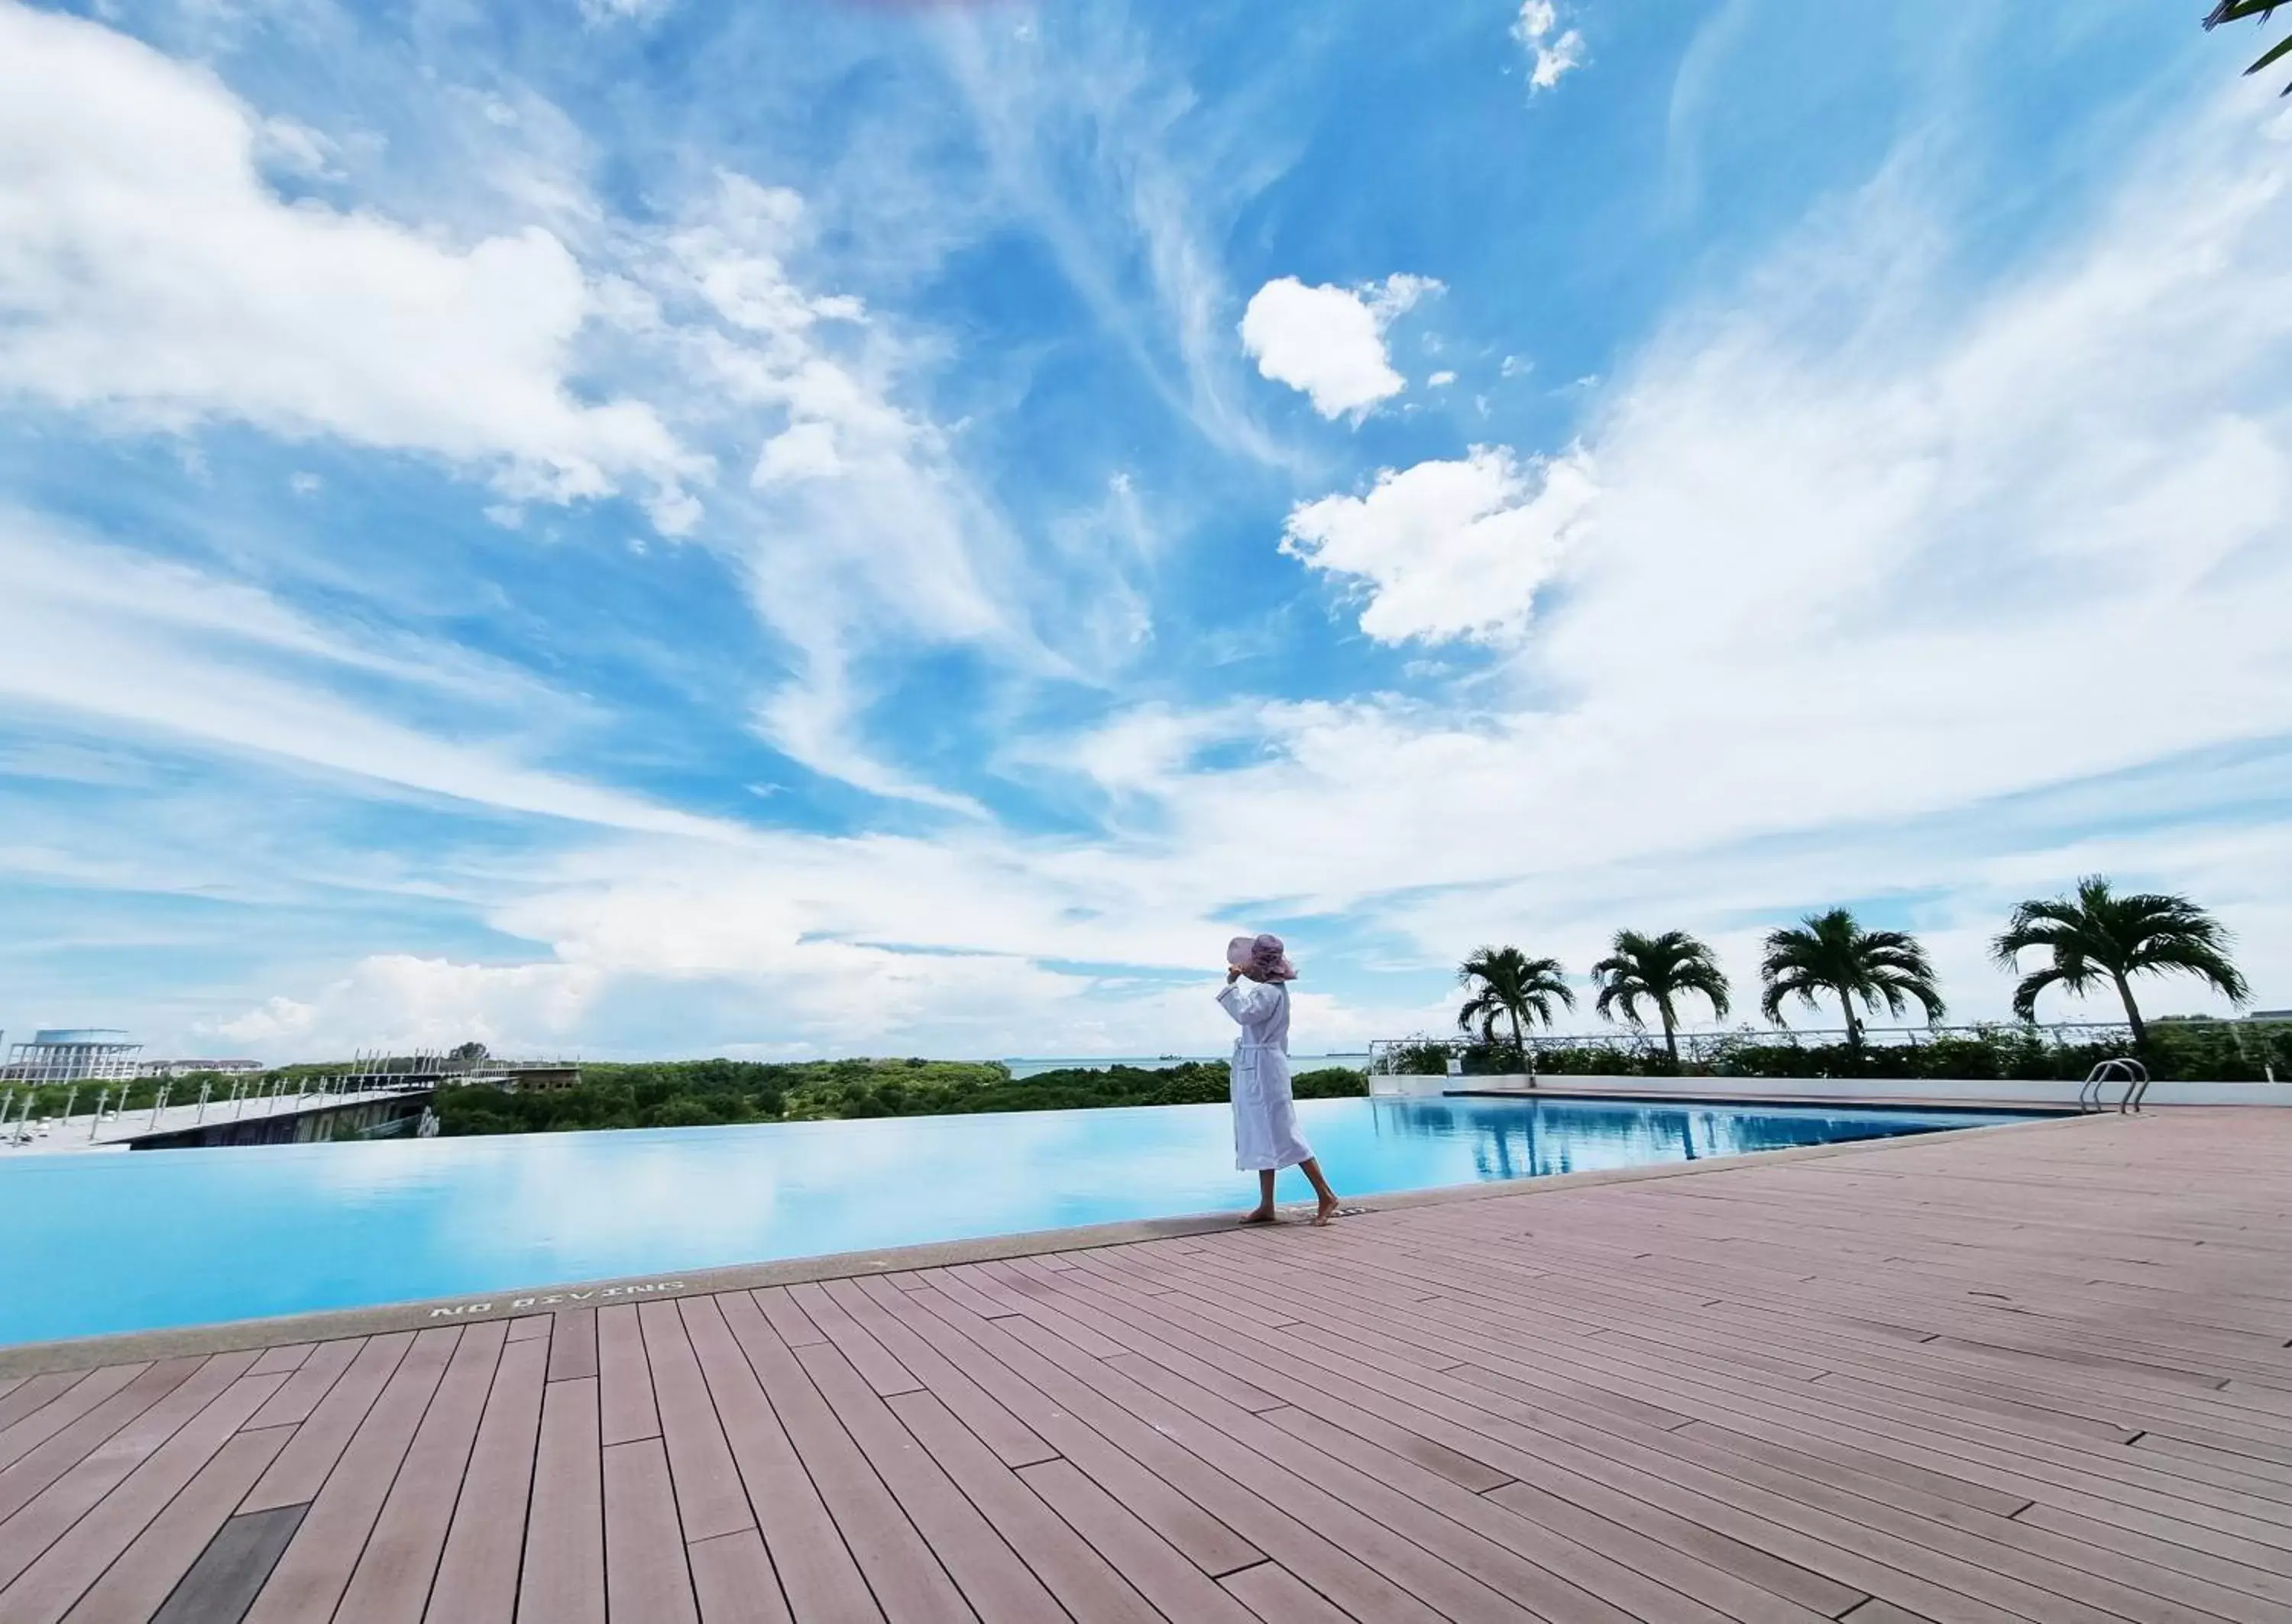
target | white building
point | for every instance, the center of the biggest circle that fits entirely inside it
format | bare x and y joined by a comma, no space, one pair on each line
184,1068
73,1054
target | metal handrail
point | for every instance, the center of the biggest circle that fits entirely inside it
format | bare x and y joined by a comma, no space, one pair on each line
2130,1071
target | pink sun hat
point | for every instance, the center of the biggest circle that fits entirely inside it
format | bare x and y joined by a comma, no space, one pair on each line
1261,956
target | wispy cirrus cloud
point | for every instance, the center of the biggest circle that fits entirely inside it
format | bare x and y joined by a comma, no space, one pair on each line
149,272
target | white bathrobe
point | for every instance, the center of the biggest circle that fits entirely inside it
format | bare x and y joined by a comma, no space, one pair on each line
1265,1116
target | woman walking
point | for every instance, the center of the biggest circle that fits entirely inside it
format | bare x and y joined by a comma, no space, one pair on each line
1265,1115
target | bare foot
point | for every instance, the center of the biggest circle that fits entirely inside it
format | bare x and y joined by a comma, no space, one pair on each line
1327,1210
1260,1214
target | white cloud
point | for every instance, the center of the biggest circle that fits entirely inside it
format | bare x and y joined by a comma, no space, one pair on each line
605,11
1131,179
802,450
396,1000
149,276
1328,342
1440,380
1449,550
1552,53
859,529
161,650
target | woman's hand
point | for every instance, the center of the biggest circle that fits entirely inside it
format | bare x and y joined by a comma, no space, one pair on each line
1232,974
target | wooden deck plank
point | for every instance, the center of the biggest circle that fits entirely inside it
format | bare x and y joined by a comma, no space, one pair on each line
313,1378
2016,1536
1221,1487
647,1573
30,1394
20,1438
1275,1594
1173,1494
316,1569
788,1320
1350,1394
1525,1561
303,1465
993,1580
41,1520
283,1360
147,1573
1084,1582
1394,1557
1796,1409
42,1465
224,1580
391,1584
1072,1420
803,1543
1014,1443
626,1410
572,1344
46,1591
1156,1569
563,1577
907,1581
710,1500
477,1576
881,1369
733,1580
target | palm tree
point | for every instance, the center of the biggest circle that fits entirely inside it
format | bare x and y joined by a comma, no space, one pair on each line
1659,968
1506,982
1829,953
2233,11
2098,934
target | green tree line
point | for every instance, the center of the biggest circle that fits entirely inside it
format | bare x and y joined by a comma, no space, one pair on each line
704,1093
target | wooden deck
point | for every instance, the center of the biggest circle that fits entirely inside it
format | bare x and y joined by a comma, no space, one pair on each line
2038,1374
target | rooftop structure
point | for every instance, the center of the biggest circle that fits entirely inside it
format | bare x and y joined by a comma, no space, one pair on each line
185,1068
72,1054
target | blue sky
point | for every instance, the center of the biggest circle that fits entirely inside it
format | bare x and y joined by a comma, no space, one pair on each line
644,527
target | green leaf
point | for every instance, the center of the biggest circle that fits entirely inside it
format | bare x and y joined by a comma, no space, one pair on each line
2278,50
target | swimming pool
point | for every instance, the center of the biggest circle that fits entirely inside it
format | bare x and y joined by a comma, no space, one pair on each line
140,1240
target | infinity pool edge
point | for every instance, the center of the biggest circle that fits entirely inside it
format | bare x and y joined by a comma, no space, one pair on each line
79,1353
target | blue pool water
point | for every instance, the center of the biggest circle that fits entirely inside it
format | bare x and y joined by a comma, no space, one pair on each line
139,1241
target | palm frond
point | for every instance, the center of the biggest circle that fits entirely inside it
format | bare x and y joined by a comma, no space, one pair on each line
2095,932
2235,11
2025,992
2200,962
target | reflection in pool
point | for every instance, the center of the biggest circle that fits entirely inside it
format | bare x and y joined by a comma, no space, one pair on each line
139,1241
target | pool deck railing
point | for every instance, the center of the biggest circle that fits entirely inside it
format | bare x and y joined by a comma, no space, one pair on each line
2036,1372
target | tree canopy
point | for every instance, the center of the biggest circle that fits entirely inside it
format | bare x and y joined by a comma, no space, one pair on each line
1830,953
1506,983
2095,936
1659,969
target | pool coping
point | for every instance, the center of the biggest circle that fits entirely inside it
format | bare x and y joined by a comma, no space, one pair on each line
332,1325
1955,1105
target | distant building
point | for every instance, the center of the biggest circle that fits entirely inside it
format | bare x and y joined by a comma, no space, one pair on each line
73,1054
184,1068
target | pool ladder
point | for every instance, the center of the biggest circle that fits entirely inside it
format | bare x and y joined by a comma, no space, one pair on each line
2129,1072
